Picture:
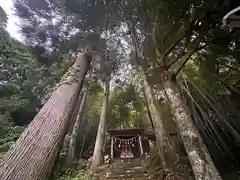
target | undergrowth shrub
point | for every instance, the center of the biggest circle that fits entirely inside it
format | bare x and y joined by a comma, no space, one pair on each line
72,174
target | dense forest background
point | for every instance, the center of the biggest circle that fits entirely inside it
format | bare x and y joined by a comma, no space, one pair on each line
130,42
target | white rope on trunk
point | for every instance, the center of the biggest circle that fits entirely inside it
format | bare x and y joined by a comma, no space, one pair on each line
224,21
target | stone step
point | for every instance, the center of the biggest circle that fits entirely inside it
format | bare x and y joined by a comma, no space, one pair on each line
125,175
136,178
127,171
126,168
125,162
128,161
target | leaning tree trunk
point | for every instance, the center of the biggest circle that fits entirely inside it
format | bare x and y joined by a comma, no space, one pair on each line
163,141
202,164
73,139
98,149
35,152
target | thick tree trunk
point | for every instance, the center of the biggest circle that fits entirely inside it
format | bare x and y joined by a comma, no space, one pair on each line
148,111
73,139
99,144
67,138
163,141
202,164
35,152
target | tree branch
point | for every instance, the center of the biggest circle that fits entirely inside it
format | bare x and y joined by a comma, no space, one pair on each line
170,48
189,54
177,58
185,60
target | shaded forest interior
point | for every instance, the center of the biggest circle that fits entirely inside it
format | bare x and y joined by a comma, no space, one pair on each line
168,67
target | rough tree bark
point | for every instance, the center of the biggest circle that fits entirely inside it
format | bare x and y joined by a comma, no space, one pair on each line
99,144
163,141
35,152
73,139
202,164
148,111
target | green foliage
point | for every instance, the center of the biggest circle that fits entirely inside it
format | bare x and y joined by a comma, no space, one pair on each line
127,108
3,18
210,87
10,135
72,174
24,83
16,68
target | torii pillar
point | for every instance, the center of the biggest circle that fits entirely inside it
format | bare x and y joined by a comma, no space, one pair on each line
140,144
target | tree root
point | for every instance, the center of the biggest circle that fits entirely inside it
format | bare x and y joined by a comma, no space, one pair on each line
153,167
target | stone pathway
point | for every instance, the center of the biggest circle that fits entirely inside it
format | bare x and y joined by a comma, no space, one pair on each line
126,170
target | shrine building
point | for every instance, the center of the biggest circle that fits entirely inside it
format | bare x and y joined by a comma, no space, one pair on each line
129,143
